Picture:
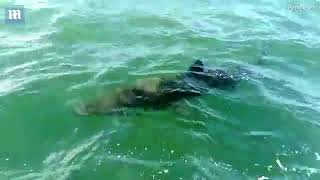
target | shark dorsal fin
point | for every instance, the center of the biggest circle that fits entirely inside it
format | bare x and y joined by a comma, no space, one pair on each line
197,66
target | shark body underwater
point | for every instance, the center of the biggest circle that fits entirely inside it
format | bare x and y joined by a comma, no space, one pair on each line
160,93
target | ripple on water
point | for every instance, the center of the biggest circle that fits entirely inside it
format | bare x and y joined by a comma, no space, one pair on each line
10,85
208,168
60,165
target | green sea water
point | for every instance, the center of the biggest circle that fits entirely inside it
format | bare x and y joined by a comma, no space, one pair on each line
78,50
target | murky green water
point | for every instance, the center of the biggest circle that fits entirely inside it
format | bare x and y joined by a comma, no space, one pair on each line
75,50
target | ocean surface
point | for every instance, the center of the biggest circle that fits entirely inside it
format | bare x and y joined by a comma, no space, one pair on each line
268,127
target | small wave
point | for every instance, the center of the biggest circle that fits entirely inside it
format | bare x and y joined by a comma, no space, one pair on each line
298,170
199,136
60,165
19,67
262,134
208,168
11,85
135,161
